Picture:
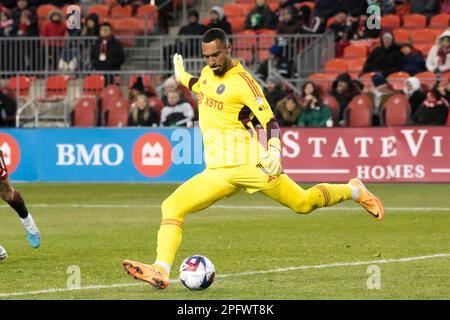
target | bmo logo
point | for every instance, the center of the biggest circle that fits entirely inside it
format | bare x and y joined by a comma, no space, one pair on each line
97,155
11,151
152,154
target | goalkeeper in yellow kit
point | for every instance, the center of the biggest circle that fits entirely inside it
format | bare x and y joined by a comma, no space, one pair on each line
228,100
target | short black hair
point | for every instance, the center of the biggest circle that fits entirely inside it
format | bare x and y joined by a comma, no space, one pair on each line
215,34
106,24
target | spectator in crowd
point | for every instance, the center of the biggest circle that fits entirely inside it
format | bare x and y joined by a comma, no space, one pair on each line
433,111
91,26
274,91
360,29
428,8
218,20
260,17
308,22
8,108
379,94
55,27
353,8
438,59
325,9
344,90
288,111
288,23
342,27
24,20
276,60
142,114
7,27
386,58
176,112
414,93
107,53
139,88
412,60
315,113
282,6
192,48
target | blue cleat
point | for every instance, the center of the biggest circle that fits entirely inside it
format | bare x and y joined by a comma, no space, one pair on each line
34,239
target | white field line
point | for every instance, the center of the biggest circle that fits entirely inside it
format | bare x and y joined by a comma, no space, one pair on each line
241,274
230,207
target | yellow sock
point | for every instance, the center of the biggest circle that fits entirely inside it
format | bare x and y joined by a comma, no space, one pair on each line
169,240
330,194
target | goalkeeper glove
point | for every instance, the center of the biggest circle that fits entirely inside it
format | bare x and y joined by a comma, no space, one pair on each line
270,162
180,75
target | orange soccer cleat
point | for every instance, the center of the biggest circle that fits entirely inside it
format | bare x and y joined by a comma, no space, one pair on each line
150,273
367,200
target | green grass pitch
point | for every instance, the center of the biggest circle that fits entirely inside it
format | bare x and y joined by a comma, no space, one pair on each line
96,226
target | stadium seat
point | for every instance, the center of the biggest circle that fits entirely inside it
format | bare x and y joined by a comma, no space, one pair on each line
273,6
56,87
356,65
99,9
323,80
233,10
423,48
336,66
84,113
147,10
146,79
128,24
395,111
414,21
93,85
237,24
43,10
439,21
397,79
244,45
427,78
390,21
157,104
359,112
111,92
330,21
21,84
366,79
121,12
423,36
334,106
116,113
352,52
265,40
402,35
110,3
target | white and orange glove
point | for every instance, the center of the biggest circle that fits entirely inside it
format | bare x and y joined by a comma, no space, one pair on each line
181,75
271,160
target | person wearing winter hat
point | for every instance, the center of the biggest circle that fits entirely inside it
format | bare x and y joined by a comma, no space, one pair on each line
274,91
218,20
433,111
438,58
414,93
387,58
276,60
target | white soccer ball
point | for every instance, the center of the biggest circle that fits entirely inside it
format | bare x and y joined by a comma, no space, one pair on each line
3,254
197,272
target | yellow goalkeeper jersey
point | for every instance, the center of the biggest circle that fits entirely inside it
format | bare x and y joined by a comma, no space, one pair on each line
227,105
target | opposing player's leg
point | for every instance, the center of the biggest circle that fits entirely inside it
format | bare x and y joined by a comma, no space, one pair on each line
15,200
196,194
290,194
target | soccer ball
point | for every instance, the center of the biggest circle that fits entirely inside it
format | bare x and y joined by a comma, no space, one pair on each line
197,273
3,254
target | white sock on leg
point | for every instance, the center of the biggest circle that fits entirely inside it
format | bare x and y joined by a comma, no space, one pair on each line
164,265
355,192
29,224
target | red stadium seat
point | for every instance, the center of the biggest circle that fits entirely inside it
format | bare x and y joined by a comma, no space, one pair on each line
336,66
43,10
145,78
366,79
356,65
109,93
116,113
352,52
99,9
424,48
397,79
244,45
147,10
423,36
323,80
396,110
439,21
57,87
427,78
93,85
402,35
414,21
273,6
110,3
121,12
233,10
334,106
237,24
128,24
359,112
85,113
390,21
21,84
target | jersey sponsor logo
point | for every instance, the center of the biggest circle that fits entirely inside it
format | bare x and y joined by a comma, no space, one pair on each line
11,151
152,154
210,102
220,89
